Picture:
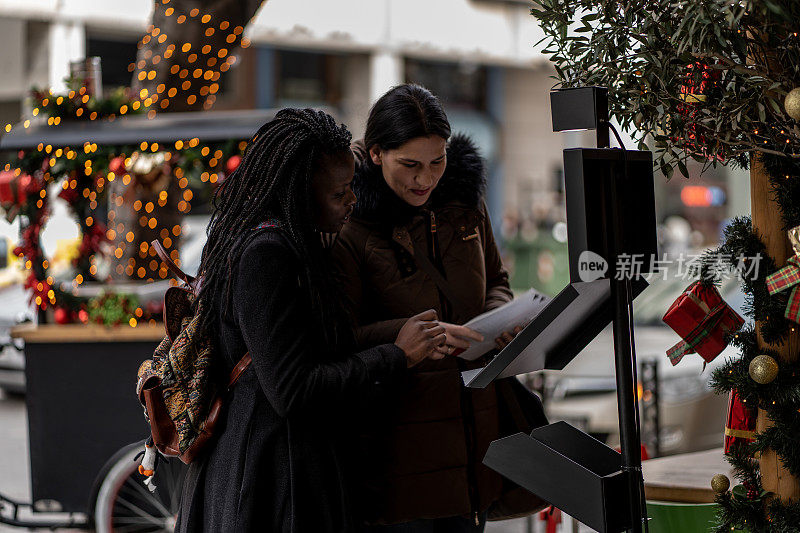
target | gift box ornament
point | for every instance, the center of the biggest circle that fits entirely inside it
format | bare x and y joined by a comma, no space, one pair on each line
13,187
702,319
740,428
788,277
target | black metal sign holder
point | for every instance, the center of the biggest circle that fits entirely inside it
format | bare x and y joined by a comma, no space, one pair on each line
611,212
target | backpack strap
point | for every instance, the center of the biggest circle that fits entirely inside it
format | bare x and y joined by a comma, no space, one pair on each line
275,225
269,223
240,367
164,256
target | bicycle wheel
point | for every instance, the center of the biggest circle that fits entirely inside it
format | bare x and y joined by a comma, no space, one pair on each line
125,505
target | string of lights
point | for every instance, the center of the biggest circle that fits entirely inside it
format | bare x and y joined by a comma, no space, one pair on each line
117,192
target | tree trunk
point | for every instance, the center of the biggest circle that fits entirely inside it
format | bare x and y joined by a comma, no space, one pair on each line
145,208
188,48
769,226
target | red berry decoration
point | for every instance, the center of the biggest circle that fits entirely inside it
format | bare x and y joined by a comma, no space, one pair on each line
69,195
233,163
117,165
83,316
62,315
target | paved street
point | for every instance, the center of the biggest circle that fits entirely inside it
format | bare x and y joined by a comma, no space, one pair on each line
14,477
13,448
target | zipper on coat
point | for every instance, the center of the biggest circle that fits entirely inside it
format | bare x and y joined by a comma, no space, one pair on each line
468,420
436,258
467,411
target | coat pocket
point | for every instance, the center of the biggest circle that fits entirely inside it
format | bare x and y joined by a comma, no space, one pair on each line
468,235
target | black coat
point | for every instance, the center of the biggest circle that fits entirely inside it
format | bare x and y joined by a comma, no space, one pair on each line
277,466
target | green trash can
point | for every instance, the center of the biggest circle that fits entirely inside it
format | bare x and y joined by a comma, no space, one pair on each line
671,517
542,263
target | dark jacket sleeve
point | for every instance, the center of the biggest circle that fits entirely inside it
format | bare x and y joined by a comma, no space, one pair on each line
498,290
273,313
383,331
348,262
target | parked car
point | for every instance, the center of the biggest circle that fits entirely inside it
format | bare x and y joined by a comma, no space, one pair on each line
15,309
12,370
692,417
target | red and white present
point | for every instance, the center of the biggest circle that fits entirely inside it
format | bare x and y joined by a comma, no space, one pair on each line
702,319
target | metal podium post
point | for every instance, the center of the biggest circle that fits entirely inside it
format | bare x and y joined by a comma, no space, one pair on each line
624,358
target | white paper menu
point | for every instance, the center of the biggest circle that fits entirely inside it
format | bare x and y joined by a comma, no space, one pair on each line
517,312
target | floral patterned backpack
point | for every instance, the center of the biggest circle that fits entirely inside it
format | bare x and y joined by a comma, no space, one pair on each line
178,387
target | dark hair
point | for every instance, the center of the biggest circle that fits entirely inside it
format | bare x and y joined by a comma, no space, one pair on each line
273,181
404,113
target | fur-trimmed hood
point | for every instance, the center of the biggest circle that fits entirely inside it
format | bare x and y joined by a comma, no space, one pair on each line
463,182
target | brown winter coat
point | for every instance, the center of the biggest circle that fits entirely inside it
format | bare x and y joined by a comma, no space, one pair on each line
422,452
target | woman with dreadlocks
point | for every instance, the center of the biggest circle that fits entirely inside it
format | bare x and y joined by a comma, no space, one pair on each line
276,466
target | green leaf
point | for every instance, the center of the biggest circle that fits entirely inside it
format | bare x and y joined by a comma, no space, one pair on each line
683,169
774,105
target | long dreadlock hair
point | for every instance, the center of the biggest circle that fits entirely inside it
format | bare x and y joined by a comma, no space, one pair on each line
273,181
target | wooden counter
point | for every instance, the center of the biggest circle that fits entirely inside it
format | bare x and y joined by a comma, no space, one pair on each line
684,478
72,333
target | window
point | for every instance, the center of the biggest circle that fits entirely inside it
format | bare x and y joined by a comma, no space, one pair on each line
307,78
115,56
459,86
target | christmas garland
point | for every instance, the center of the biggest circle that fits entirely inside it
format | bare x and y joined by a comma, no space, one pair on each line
748,506
113,309
738,511
779,397
84,174
784,174
740,240
78,104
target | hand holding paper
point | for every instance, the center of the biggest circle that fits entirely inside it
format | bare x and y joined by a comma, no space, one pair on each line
494,323
458,337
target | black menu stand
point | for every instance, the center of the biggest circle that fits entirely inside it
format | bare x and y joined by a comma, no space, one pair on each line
611,224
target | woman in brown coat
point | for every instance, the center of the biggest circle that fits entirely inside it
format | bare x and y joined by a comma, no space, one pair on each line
421,217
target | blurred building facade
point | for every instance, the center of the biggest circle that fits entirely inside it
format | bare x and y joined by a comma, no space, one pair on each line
477,55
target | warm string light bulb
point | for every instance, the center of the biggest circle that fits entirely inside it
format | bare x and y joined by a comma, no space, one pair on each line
111,233
206,50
